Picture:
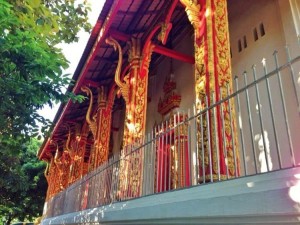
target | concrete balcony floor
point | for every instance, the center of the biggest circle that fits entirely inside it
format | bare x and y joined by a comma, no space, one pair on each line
258,199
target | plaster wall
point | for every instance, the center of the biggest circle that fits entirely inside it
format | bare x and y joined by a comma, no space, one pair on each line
280,31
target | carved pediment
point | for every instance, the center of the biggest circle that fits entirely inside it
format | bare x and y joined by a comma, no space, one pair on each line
171,98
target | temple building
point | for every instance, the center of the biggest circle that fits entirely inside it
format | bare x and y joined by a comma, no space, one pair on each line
191,116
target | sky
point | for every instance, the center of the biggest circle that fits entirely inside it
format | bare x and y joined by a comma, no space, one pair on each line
74,51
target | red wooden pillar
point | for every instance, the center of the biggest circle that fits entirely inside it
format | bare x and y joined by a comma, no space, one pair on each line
212,76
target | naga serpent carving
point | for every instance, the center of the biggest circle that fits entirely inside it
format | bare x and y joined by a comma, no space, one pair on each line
123,85
92,121
69,150
193,8
47,170
57,158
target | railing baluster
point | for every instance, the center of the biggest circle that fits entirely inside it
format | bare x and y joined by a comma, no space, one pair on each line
164,138
284,108
130,157
224,140
111,193
174,172
240,125
145,167
154,159
209,142
108,195
168,145
214,112
182,139
232,134
169,134
156,154
196,139
260,117
272,114
250,122
118,177
160,157
123,183
189,148
202,146
116,163
151,164
177,138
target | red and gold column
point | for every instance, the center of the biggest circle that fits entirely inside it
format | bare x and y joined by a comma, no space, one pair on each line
53,182
75,148
100,124
212,76
133,87
105,105
137,107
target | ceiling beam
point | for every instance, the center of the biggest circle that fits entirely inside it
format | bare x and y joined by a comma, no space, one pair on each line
119,35
174,54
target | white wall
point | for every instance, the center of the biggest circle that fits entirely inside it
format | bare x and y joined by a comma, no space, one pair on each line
279,31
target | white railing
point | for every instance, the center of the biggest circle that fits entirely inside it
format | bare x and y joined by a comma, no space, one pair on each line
253,130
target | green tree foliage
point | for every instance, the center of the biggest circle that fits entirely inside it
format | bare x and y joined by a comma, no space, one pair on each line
31,67
22,184
31,75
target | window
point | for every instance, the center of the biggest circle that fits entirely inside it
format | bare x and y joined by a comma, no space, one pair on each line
240,45
245,41
262,29
255,34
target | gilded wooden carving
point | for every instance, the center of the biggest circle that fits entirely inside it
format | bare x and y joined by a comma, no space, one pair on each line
212,73
123,85
91,120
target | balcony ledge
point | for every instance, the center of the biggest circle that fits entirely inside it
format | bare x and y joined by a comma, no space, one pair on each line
259,199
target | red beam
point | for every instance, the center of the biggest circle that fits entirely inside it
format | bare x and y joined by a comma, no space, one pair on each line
174,54
119,35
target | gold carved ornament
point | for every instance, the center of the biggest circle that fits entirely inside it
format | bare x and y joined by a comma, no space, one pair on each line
102,118
57,158
164,33
47,171
193,8
63,166
123,85
101,97
103,136
52,179
92,121
68,148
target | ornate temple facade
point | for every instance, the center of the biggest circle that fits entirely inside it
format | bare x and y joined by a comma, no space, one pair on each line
191,116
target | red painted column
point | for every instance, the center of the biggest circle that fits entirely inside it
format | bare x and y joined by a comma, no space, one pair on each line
212,76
